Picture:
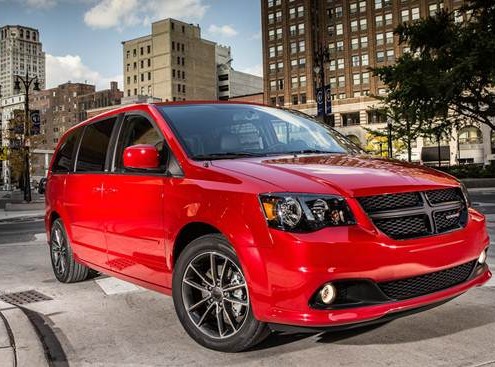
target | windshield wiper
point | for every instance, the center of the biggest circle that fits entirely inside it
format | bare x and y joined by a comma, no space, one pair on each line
227,155
309,151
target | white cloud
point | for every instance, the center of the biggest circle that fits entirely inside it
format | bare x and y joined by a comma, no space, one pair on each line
224,31
120,14
61,69
255,70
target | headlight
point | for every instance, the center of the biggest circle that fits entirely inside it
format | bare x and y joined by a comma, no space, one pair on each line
466,194
305,212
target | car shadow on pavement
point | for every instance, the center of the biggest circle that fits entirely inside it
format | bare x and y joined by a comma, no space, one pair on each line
428,325
436,323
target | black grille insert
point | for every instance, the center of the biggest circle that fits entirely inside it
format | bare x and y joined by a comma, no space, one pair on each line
404,227
373,204
428,283
417,214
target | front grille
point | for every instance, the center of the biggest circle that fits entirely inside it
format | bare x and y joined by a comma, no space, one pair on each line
427,283
373,204
443,196
447,220
417,214
404,227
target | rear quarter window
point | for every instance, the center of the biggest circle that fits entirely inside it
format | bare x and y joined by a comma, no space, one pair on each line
94,146
63,160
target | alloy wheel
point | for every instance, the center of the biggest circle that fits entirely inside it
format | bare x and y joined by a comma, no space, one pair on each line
215,295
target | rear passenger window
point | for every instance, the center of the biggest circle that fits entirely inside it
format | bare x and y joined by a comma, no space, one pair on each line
63,159
94,146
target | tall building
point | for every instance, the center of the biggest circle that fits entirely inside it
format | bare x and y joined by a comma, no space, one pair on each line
172,63
350,37
21,52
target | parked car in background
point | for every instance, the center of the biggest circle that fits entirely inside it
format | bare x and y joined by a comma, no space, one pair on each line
256,218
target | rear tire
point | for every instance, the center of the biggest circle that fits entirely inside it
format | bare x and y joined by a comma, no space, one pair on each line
211,297
65,268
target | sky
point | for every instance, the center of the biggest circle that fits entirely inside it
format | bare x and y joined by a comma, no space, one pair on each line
82,38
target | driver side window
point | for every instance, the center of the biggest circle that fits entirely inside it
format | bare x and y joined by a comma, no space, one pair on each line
139,130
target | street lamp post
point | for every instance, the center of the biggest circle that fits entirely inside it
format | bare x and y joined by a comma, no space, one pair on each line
26,82
321,57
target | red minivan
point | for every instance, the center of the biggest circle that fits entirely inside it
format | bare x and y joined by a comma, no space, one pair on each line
256,218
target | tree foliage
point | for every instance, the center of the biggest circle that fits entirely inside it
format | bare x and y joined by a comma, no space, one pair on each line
448,74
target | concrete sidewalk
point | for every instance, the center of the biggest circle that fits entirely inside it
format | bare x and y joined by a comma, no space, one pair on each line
19,342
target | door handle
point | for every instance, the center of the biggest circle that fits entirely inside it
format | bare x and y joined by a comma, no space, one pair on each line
98,189
111,190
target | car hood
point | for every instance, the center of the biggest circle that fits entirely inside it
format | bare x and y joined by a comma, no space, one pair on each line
339,174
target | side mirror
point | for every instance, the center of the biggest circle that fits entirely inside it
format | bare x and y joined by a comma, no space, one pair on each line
141,156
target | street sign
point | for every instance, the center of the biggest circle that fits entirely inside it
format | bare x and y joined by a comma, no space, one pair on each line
328,100
320,101
35,122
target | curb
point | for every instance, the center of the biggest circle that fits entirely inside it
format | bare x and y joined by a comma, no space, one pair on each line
19,342
11,207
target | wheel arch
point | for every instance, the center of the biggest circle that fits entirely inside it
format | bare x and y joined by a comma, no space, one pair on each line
189,233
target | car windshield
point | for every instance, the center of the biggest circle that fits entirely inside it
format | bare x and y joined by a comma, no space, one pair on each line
220,131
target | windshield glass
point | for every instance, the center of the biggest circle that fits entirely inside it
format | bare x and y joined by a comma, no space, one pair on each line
214,131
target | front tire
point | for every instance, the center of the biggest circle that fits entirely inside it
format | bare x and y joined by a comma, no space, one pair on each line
211,297
65,268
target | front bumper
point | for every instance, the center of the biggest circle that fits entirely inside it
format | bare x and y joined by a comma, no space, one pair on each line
284,277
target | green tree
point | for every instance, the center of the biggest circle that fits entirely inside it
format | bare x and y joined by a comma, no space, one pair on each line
449,71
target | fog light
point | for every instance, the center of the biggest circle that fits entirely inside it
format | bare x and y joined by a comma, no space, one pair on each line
482,257
328,293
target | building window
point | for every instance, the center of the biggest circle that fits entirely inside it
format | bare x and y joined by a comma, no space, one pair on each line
493,141
339,29
404,15
354,26
389,36
388,19
292,13
365,78
273,84
295,99
353,8
340,63
378,4
182,61
293,63
364,60
340,45
294,82
302,46
362,6
379,21
379,39
271,51
341,81
142,64
470,135
349,119
356,79
272,68
271,34
148,49
303,98
280,50
355,60
149,63
271,18
380,56
363,24
338,12
149,76
173,73
278,16
333,65
279,33
293,30
178,60
355,43
300,28
128,80
390,55
293,47
302,62
280,84
300,11
415,13
364,42
302,80
141,51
